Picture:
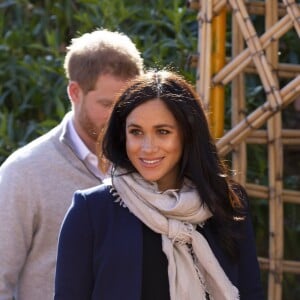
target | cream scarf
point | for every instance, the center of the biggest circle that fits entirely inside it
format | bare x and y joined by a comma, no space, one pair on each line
193,269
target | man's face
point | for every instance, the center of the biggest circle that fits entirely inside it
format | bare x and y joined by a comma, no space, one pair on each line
92,110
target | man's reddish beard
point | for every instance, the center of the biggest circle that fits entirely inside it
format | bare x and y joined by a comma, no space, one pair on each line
89,127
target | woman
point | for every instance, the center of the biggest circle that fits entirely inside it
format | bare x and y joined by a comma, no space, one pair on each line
170,224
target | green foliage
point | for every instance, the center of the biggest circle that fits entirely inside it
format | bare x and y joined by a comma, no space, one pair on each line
33,36
32,89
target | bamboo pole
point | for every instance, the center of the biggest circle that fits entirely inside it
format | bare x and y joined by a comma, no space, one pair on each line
284,70
238,101
204,67
288,266
218,5
259,8
288,136
272,34
275,171
253,7
261,58
218,61
258,56
257,118
294,12
262,192
291,196
244,58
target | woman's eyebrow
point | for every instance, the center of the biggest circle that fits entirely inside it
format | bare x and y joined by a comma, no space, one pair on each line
155,126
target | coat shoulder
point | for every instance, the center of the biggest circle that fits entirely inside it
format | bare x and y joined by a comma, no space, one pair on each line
101,199
97,195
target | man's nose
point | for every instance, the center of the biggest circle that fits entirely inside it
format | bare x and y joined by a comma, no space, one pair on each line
107,113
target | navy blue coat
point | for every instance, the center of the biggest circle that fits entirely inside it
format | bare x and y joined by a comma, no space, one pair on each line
100,252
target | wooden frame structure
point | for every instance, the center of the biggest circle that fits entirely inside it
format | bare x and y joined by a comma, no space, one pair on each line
258,55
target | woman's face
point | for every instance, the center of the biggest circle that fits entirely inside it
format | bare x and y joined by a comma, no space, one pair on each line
154,143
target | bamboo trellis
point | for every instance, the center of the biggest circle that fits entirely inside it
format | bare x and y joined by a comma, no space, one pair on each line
260,56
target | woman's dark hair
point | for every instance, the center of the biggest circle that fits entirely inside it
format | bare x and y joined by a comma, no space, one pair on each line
200,161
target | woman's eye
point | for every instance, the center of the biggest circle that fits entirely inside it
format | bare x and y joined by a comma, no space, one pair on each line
163,131
135,132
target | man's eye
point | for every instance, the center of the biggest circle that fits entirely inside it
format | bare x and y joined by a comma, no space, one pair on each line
107,104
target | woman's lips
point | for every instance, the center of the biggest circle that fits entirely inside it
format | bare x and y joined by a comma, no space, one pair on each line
151,162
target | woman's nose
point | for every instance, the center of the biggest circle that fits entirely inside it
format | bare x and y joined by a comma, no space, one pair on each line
149,144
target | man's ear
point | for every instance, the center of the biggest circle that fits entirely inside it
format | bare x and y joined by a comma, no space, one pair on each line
74,92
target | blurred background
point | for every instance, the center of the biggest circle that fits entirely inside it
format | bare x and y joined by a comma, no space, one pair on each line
33,98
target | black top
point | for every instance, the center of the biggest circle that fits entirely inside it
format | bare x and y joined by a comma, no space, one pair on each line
155,283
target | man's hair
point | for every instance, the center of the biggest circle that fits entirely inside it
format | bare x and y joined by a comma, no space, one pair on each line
101,52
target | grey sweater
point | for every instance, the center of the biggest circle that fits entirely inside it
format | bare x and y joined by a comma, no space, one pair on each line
37,183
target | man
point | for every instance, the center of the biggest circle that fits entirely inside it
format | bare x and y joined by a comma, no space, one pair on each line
37,182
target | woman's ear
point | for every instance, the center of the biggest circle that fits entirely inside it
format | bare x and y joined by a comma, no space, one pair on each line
74,92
